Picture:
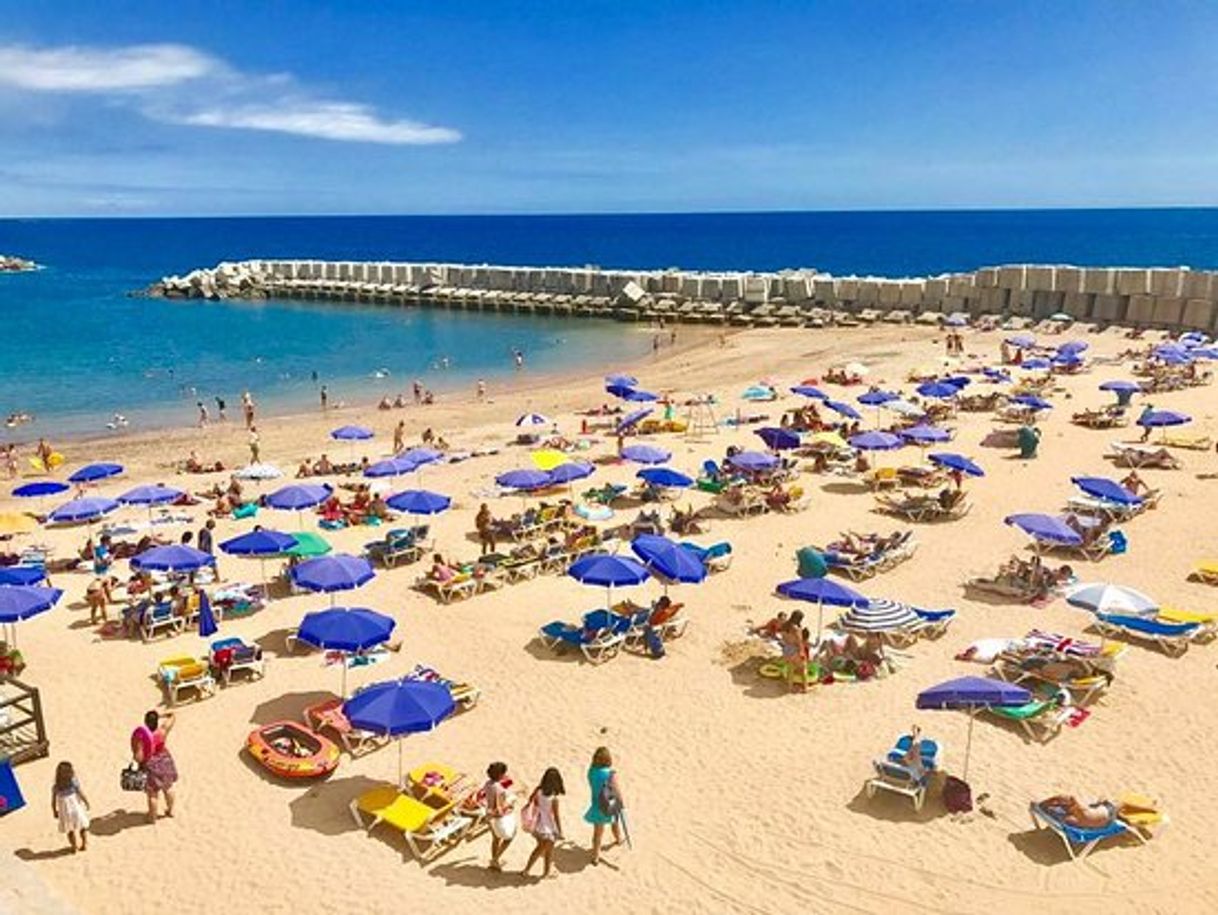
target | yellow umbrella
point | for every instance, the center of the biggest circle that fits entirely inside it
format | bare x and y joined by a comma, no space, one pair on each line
832,439
16,523
548,458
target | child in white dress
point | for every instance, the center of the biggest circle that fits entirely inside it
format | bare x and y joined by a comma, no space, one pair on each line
70,806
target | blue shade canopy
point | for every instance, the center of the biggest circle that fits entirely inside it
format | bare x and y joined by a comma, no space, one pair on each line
1035,364
1021,341
777,438
668,558
393,467
19,602
822,591
998,376
420,456
876,398
646,454
399,707
571,471
85,509
91,472
1156,418
524,479
1106,489
633,417
1067,359
351,433
1073,347
40,488
625,381
299,496
342,629
807,390
1099,597
1119,386
876,441
1032,401
630,393
940,390
973,692
419,502
1046,528
955,462
843,409
607,570
955,321
926,434
155,494
665,476
531,419
258,543
176,557
21,575
340,572
753,461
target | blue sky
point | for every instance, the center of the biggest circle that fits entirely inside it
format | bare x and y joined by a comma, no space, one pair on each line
587,106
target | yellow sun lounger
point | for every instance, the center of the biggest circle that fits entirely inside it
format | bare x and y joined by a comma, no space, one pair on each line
1194,442
183,673
1206,571
430,827
1208,622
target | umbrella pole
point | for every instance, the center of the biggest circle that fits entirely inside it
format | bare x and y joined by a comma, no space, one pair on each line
820,618
968,744
342,657
400,781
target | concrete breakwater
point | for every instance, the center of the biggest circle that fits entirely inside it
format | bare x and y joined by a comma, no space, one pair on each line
1171,298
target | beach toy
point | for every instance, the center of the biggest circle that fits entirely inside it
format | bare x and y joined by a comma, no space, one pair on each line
54,460
291,750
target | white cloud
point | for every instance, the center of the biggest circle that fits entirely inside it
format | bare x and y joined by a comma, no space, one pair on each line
328,120
78,69
178,84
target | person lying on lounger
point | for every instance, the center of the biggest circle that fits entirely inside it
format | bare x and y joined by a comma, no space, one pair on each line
1086,816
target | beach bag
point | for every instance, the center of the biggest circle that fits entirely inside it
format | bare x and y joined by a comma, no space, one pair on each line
957,795
655,644
607,802
133,778
529,814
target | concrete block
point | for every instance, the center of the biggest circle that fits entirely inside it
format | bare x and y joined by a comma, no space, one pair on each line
1040,278
934,289
732,288
632,292
1068,279
890,293
994,299
961,284
1198,314
1048,303
824,290
796,288
1198,284
756,290
1168,311
847,290
869,293
1108,307
691,286
1132,282
1141,309
1011,277
712,288
912,293
1167,283
1100,280
986,277
671,283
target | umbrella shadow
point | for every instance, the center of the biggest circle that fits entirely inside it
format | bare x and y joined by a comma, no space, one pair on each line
1042,847
895,808
325,807
288,707
114,822
562,653
275,643
747,675
845,488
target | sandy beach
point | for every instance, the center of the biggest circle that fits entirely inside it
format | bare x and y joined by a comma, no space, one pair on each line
741,797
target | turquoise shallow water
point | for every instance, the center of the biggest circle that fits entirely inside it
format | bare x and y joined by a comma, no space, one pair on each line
74,348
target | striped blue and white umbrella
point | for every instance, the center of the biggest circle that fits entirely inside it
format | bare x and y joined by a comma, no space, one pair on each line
1099,597
879,615
532,419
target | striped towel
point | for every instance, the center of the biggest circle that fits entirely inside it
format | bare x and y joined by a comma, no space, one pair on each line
1062,644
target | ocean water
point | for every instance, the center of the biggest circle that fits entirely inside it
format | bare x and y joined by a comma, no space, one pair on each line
74,348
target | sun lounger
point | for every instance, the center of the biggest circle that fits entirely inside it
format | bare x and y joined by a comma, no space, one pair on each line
1042,718
328,715
1080,841
893,774
599,638
234,655
1207,623
398,546
742,504
1100,419
1128,454
922,508
933,623
882,478
1172,638
430,826
1191,442
160,618
717,557
182,673
1206,571
1104,508
464,694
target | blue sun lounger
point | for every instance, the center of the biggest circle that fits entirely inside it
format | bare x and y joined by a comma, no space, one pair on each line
1080,841
892,774
599,638
1173,638
717,557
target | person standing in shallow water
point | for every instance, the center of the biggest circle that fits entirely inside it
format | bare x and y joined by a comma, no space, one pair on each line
325,398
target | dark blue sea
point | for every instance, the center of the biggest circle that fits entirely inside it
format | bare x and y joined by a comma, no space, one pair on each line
74,348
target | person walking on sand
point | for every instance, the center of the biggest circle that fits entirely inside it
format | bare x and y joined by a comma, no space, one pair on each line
155,761
202,414
399,436
255,445
70,806
500,812
606,805
247,408
546,824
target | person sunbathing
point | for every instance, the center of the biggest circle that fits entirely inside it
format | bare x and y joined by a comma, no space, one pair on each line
1070,811
323,467
777,497
772,628
440,570
304,470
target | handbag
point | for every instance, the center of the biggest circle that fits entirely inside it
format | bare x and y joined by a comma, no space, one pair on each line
529,814
132,778
608,802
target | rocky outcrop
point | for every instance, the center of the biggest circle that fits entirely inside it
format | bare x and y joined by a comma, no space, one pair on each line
225,281
12,264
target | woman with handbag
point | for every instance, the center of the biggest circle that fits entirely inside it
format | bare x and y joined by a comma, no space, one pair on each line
606,803
154,760
540,817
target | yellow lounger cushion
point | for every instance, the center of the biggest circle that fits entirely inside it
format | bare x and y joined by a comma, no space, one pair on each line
1173,615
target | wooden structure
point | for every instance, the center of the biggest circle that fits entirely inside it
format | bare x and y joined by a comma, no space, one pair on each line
23,733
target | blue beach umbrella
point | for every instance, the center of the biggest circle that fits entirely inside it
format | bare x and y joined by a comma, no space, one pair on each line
351,434
637,396
330,574
665,476
807,390
526,420
18,602
40,488
876,441
155,494
399,707
629,393
1153,419
1120,386
940,390
1021,341
753,461
1045,528
87,509
21,575
391,467
345,630
956,462
821,591
607,570
1033,365
843,409
955,320
525,479
925,435
668,559
258,543
419,502
777,438
1106,489
1073,347
997,376
625,381
957,381
176,557
420,457
633,418
1031,400
92,472
571,471
299,496
646,454
972,694
877,398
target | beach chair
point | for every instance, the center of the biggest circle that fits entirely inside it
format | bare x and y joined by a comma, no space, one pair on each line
234,655
717,557
893,774
740,503
1130,454
429,826
1080,841
1190,442
882,478
1207,623
1171,638
185,673
933,623
160,618
464,694
913,508
328,715
1042,718
599,638
396,546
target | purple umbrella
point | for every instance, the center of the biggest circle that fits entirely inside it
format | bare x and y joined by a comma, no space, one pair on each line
876,398
420,456
665,476
1151,419
40,488
1045,529
646,454
821,591
1021,341
571,471
175,557
1034,364
876,441
631,418
925,435
87,509
938,389
524,479
1031,400
807,390
93,472
19,602
778,439
393,467
351,434
972,694
1106,490
753,461
843,409
299,496
956,462
1120,386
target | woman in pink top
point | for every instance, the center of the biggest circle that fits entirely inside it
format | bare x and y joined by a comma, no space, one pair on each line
154,759
547,825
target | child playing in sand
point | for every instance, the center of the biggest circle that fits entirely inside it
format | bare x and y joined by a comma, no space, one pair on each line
70,806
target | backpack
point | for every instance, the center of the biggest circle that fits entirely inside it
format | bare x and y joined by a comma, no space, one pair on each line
655,644
957,796
607,801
